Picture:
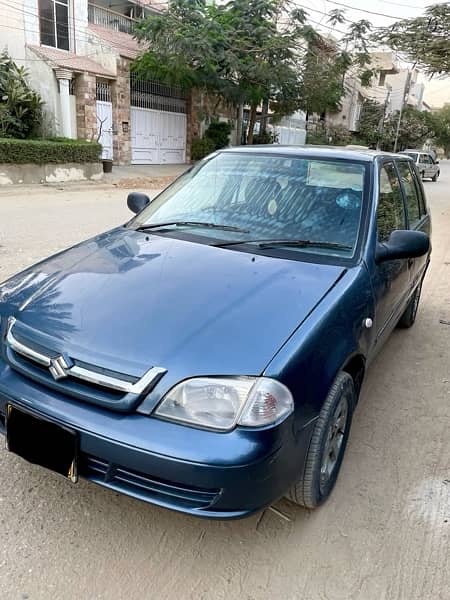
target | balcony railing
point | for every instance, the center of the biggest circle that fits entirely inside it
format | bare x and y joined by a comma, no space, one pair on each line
97,15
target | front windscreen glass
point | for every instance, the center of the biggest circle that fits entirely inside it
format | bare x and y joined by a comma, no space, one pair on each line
413,155
264,198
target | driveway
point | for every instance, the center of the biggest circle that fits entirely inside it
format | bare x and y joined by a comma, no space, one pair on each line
383,535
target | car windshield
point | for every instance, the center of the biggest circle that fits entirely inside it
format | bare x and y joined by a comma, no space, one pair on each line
413,155
248,198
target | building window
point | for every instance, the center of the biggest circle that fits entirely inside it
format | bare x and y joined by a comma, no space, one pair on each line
54,23
382,79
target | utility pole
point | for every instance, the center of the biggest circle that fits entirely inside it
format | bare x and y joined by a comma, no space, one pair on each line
385,108
405,96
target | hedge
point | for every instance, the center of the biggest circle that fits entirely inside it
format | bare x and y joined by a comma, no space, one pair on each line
58,150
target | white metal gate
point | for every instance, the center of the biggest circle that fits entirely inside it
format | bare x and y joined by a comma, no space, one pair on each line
105,127
157,137
104,118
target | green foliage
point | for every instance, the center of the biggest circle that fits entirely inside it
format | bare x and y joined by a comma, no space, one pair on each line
58,150
234,50
333,135
20,106
416,127
424,40
218,132
369,122
268,137
440,121
248,52
201,147
322,84
317,137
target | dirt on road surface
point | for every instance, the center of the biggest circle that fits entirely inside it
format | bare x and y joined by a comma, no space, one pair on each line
383,535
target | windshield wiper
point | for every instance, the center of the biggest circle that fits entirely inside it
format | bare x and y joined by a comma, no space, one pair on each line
289,243
192,224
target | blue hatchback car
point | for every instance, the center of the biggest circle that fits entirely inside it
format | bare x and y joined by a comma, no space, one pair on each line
207,356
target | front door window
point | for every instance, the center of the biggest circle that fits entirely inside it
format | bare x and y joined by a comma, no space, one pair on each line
390,214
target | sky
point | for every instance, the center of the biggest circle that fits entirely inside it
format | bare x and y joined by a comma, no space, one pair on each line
437,91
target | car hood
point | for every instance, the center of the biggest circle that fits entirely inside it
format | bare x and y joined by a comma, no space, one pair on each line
127,301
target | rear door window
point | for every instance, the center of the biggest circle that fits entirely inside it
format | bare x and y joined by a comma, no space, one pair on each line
411,195
391,212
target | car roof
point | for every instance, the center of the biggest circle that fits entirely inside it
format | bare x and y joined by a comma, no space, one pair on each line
340,152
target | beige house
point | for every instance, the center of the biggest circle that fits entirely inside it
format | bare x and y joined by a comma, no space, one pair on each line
78,54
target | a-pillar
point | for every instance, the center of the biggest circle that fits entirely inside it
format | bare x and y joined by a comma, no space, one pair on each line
64,77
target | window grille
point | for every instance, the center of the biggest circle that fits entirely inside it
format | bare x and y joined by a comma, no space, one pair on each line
152,94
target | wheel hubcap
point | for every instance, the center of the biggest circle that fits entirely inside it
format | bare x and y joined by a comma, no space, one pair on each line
334,440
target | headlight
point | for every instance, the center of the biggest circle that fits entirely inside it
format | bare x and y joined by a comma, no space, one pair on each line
224,402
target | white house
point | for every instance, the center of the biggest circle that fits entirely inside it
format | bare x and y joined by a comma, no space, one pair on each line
78,55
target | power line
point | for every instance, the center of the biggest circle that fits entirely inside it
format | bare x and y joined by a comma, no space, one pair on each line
369,12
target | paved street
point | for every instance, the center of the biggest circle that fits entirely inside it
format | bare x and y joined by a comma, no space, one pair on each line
384,534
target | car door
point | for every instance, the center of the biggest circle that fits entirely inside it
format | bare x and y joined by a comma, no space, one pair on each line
390,278
422,165
433,166
416,215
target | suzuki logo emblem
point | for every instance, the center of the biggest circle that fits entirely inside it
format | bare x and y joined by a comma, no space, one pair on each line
58,367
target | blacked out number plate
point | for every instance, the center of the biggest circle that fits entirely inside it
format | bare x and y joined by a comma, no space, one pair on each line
42,442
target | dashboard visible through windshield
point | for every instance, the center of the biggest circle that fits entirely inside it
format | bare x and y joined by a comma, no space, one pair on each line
305,204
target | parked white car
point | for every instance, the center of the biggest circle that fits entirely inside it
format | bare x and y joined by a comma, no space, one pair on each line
427,166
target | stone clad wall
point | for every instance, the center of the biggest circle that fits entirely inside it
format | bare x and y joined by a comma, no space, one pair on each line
85,106
122,113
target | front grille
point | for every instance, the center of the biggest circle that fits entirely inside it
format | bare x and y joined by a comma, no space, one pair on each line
143,486
89,392
34,355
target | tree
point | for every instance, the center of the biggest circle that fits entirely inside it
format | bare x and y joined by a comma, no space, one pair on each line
441,126
424,40
20,106
235,50
370,120
253,52
416,127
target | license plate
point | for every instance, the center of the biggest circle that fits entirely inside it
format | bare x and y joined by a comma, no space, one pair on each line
42,442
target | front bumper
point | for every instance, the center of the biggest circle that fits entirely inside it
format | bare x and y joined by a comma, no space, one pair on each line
202,473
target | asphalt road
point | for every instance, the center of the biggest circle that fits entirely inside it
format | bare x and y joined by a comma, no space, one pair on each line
383,535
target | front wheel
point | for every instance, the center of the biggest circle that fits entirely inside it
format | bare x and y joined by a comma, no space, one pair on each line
435,177
327,446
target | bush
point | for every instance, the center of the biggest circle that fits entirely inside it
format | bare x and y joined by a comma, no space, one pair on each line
218,132
20,106
268,137
44,151
201,148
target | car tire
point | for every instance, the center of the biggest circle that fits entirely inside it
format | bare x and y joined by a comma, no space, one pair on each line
408,318
422,176
327,446
435,177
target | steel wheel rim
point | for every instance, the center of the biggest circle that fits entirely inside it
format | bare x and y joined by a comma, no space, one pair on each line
334,440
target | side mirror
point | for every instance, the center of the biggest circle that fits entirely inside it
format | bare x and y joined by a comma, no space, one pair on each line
403,244
436,162
137,201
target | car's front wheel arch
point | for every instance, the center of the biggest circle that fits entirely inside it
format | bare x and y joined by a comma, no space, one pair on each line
355,366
